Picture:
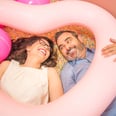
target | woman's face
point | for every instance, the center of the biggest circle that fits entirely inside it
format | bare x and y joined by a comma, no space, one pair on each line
40,50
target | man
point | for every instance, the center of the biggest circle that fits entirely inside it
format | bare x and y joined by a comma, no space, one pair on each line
79,59
78,56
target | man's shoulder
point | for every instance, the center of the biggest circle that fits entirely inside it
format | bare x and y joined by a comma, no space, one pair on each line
66,66
91,51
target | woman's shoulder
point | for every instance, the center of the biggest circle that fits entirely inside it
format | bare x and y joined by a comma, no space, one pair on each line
4,63
3,66
51,69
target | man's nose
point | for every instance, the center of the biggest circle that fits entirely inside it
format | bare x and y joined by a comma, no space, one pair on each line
67,47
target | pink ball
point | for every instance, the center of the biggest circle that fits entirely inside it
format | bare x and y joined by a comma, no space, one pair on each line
34,1
5,45
1,26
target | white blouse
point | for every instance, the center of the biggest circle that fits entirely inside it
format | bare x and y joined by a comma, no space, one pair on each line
26,84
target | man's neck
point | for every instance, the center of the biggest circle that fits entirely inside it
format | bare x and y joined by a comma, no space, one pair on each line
83,53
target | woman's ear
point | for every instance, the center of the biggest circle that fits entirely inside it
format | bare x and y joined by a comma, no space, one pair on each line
28,48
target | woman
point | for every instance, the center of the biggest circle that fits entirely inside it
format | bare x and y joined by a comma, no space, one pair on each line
27,75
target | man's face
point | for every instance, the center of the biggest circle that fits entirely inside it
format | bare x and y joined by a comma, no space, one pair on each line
70,47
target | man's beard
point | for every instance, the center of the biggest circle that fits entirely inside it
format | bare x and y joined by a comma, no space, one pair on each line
75,52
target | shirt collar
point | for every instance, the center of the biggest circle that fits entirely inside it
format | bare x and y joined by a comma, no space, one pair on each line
89,57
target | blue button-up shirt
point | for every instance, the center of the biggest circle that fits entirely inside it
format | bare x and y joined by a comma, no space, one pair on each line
74,70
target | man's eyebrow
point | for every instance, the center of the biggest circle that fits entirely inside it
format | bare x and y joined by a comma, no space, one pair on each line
64,40
67,38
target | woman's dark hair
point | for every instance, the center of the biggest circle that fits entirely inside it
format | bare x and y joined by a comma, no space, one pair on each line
19,52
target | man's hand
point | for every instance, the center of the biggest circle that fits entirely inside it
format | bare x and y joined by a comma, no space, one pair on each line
110,49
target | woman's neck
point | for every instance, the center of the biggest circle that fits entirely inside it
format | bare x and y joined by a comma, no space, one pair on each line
32,62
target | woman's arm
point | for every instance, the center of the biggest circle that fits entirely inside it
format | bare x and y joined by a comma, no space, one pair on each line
3,67
55,85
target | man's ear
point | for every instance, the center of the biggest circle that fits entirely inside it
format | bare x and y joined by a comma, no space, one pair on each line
80,37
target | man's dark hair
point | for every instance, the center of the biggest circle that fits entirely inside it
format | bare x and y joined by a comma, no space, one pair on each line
65,31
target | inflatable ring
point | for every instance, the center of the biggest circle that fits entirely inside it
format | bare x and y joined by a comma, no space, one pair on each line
98,87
